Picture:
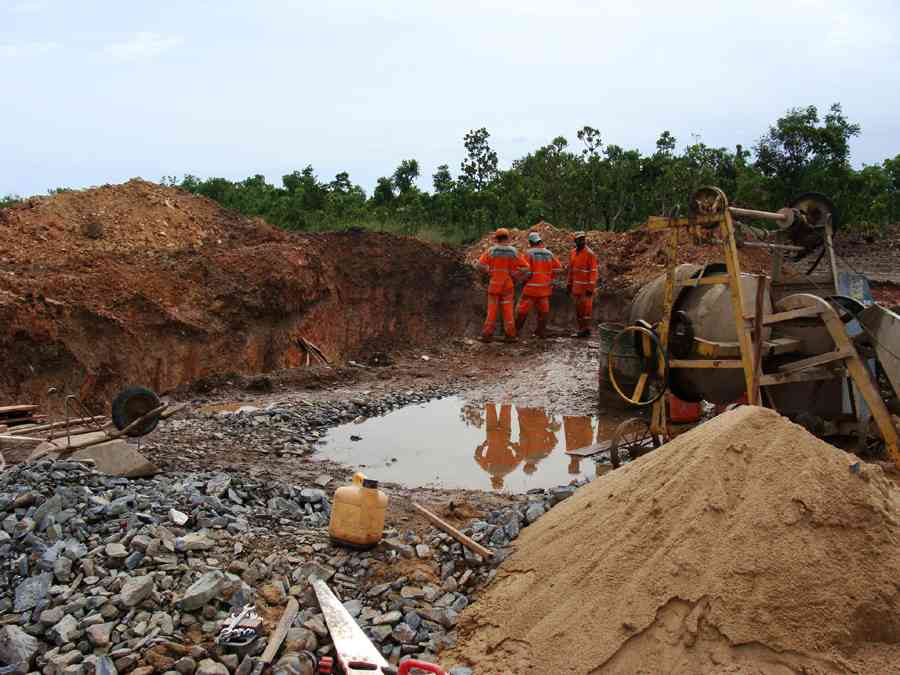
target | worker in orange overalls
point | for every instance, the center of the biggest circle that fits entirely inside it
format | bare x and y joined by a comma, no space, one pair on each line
542,265
505,266
584,271
579,434
498,455
537,436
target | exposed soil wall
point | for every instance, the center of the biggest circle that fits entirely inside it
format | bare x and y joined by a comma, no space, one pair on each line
142,284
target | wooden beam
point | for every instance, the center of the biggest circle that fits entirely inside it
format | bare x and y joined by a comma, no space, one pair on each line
705,363
802,313
757,336
820,360
733,264
281,631
808,375
453,532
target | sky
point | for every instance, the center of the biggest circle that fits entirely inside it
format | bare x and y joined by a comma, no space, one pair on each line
95,92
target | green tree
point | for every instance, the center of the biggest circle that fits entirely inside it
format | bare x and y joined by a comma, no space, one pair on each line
479,167
405,175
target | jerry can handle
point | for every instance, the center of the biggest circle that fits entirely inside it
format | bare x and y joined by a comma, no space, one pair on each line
408,665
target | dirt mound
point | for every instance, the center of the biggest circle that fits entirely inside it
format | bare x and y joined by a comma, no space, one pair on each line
143,284
627,259
746,545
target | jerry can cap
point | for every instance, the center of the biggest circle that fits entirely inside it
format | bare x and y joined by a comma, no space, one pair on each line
370,483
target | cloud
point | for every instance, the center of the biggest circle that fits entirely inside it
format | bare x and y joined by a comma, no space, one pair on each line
28,7
26,49
142,45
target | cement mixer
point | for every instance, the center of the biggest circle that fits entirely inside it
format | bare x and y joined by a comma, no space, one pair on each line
712,333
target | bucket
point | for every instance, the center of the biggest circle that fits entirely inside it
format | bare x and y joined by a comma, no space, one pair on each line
627,361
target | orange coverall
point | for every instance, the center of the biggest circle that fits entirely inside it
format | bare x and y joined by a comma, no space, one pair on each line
505,264
542,265
537,436
584,271
579,434
498,455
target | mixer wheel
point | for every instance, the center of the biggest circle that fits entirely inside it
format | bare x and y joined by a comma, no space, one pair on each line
631,439
654,376
817,208
708,201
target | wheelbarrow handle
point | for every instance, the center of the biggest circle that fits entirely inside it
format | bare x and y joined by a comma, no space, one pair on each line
406,666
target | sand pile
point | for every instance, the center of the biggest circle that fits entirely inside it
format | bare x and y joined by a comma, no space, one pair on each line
744,546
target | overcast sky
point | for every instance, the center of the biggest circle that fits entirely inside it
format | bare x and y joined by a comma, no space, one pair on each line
96,91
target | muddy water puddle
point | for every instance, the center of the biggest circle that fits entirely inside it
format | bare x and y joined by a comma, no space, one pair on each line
450,443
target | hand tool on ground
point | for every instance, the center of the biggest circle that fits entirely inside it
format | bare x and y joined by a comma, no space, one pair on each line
355,652
240,629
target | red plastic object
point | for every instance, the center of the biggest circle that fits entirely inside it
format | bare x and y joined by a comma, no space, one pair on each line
406,666
722,407
682,412
326,664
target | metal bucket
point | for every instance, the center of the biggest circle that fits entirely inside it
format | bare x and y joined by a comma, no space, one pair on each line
627,361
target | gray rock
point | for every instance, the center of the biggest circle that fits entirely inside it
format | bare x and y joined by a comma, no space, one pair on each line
381,633
65,630
413,620
353,607
99,634
461,670
178,517
403,633
312,569
136,590
186,665
105,666
116,551
52,616
17,649
32,592
207,587
560,493
423,551
388,617
317,626
218,486
301,639
194,541
210,667
312,495
62,570
534,512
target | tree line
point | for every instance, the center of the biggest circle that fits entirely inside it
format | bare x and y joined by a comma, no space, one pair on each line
584,184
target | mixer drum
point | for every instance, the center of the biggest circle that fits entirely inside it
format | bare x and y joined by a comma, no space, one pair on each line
708,309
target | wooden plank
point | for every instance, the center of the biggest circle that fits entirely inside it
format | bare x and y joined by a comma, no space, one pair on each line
801,313
57,425
773,247
813,361
733,264
453,532
757,335
784,345
5,410
589,450
705,363
809,375
704,281
277,638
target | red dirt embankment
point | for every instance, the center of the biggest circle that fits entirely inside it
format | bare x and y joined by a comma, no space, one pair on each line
138,283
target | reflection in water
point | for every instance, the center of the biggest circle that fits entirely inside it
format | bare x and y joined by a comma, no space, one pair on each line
498,455
579,434
537,436
432,444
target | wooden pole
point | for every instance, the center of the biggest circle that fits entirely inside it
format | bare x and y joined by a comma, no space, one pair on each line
453,532
732,262
281,631
761,281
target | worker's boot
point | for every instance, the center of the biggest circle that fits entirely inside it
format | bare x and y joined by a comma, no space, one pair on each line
584,328
520,322
541,331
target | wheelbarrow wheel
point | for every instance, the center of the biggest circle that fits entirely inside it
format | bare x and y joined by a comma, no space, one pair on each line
132,404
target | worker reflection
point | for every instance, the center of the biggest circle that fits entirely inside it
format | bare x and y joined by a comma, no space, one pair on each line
579,434
537,436
498,455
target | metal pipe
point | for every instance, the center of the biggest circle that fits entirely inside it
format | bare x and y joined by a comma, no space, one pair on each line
762,215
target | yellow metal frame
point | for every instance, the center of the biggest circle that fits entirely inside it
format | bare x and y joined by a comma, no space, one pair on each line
677,228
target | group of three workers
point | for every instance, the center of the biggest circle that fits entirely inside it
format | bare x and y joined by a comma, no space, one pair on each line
536,267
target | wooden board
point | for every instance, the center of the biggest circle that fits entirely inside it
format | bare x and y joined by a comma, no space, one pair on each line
8,409
453,532
589,450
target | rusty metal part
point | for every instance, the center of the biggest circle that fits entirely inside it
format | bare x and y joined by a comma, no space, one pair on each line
707,201
631,439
